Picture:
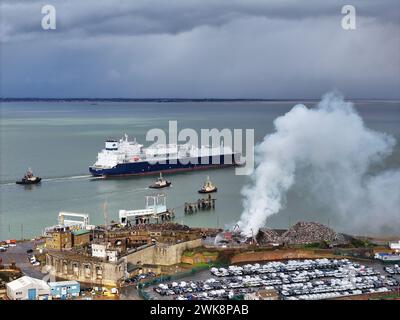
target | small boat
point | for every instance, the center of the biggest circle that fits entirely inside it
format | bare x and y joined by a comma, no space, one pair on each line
29,178
208,187
160,183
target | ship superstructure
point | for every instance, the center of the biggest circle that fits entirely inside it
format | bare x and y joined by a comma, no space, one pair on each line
126,157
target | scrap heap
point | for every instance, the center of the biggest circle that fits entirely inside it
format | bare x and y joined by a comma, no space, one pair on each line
265,236
301,233
311,232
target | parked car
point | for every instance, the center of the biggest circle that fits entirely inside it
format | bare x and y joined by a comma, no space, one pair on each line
114,290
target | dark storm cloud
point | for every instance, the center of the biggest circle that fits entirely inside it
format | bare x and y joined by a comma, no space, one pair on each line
159,16
199,48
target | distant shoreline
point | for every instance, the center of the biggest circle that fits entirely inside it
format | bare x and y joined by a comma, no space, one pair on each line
175,99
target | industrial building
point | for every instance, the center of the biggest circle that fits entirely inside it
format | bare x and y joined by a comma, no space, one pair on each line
64,289
395,246
81,237
101,254
101,251
387,257
155,211
69,233
59,238
27,288
105,261
63,238
87,269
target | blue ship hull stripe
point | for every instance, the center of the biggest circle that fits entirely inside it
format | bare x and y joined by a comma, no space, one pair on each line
144,167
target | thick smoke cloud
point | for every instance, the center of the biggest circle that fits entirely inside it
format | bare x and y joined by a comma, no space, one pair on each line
331,154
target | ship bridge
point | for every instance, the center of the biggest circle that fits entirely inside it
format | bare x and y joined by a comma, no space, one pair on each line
111,144
116,152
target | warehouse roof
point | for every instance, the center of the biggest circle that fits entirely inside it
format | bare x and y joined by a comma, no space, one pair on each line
24,281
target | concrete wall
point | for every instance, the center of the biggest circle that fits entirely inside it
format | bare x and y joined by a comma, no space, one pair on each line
199,258
162,254
87,271
281,254
110,274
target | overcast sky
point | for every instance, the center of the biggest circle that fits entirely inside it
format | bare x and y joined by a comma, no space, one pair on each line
200,48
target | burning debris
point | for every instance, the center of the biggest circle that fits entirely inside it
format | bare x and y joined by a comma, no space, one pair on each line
265,236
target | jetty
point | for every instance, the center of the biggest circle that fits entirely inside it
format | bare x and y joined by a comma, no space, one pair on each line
200,205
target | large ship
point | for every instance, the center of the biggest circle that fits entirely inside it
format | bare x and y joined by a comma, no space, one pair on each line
126,157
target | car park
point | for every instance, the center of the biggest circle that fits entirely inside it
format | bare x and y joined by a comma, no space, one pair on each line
293,279
395,269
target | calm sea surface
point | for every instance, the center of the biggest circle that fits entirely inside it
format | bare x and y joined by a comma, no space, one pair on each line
60,140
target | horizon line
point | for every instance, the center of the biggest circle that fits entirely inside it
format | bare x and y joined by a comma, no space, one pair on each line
163,99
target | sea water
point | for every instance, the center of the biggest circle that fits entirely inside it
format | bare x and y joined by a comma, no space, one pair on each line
60,140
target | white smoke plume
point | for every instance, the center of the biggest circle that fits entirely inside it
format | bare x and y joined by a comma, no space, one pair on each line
330,151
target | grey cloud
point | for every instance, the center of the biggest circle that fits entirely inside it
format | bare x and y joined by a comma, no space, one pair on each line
93,17
190,48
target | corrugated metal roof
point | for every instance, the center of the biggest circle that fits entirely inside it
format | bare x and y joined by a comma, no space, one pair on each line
24,281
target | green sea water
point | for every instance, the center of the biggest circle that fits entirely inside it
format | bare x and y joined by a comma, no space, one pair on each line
59,140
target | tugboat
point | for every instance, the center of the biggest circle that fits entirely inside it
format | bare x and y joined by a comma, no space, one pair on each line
160,183
29,178
208,187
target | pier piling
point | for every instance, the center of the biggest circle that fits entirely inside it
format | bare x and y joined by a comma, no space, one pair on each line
201,204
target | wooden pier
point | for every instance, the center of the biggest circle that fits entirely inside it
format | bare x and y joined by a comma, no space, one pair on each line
201,204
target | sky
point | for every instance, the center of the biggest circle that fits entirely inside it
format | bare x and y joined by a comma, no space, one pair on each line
199,49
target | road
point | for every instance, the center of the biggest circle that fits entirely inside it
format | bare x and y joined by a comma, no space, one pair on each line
129,293
20,257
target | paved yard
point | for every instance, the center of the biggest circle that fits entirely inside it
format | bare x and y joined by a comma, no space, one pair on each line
20,257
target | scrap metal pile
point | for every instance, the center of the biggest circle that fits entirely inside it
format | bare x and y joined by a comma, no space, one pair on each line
302,233
170,226
268,236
